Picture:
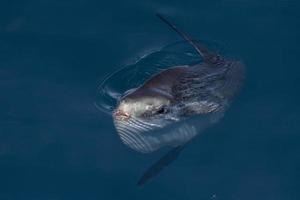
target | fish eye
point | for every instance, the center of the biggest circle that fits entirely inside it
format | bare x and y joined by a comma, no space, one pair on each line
162,110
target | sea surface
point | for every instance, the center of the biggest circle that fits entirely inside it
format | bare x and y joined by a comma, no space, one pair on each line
55,144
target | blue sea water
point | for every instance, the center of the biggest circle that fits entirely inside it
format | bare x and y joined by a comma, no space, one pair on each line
55,144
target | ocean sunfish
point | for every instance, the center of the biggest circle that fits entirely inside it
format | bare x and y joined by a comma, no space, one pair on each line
146,117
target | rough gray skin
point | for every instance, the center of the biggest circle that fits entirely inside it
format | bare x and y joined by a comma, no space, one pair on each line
186,90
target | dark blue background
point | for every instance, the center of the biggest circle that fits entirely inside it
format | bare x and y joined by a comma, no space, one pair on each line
54,143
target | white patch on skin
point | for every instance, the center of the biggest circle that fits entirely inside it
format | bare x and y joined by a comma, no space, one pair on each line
139,106
203,107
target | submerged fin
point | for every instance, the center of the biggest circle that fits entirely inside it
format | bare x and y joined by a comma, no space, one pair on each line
208,56
158,166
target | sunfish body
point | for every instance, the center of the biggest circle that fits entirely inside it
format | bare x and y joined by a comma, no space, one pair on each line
148,117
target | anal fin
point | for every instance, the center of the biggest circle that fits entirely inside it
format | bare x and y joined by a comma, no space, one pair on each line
158,166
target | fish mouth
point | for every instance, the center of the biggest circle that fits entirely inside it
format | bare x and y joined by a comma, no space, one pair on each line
120,115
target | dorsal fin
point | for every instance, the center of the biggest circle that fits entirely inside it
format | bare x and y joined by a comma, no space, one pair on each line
208,56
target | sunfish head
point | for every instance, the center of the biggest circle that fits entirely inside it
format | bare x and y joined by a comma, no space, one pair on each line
138,114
